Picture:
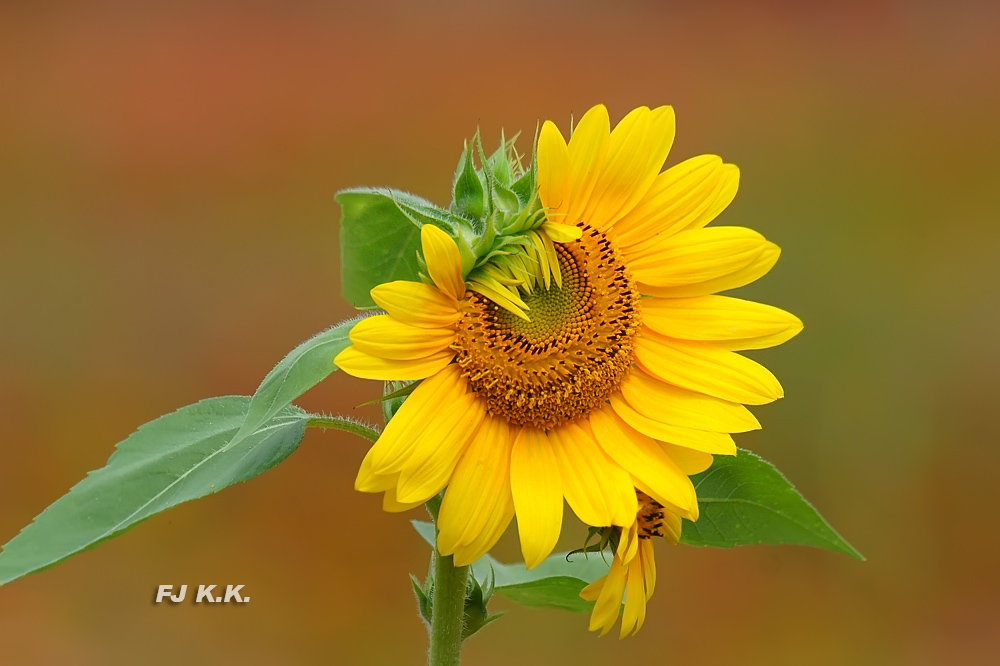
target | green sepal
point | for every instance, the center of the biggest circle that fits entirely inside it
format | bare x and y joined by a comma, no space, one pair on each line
425,598
505,199
525,186
477,596
467,630
501,199
393,395
468,188
607,538
489,180
499,161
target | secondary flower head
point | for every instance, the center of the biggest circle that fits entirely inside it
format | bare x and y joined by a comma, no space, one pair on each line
632,573
581,356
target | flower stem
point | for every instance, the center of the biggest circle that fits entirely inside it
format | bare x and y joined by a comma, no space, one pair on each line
448,614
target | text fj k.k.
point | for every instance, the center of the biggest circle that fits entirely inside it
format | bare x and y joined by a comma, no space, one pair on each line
205,594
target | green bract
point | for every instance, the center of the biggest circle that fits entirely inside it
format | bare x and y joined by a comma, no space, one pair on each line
494,208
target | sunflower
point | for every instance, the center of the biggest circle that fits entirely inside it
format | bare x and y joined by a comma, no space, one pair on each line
596,362
632,573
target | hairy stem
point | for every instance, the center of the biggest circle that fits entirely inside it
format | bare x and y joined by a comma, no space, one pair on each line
448,611
344,424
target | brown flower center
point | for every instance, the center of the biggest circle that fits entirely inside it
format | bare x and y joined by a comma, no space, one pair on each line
572,354
650,516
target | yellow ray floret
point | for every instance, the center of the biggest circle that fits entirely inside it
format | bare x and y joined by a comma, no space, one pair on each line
536,486
731,323
444,263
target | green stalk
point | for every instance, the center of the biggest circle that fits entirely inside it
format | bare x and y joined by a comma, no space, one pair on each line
448,603
448,613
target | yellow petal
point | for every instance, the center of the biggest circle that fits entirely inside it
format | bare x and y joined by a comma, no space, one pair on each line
659,476
387,338
692,257
421,411
355,362
416,303
628,544
553,166
675,200
733,322
593,591
649,562
689,460
437,450
702,367
536,486
539,254
368,481
596,488
587,150
662,402
671,528
392,504
479,485
552,258
561,233
634,613
609,600
638,146
721,197
500,295
444,264
752,271
698,440
498,521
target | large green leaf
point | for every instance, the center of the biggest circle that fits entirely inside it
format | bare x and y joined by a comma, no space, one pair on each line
555,583
380,238
744,500
301,369
178,457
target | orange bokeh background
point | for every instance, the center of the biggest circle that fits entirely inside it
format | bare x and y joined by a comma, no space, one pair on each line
168,232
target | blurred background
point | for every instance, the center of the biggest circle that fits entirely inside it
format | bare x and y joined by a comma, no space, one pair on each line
168,232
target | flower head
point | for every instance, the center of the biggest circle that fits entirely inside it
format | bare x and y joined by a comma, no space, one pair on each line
580,359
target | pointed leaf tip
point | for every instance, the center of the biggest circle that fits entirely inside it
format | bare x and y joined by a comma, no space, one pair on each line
745,500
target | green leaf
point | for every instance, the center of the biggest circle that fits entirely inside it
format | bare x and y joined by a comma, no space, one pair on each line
426,531
176,458
380,238
301,369
744,500
555,583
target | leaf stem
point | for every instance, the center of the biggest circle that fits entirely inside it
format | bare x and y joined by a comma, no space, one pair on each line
344,424
448,611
